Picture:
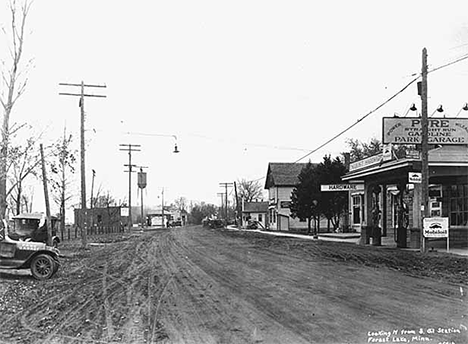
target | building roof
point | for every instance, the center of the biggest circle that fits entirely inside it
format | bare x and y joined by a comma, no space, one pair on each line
255,207
283,174
32,216
454,157
449,154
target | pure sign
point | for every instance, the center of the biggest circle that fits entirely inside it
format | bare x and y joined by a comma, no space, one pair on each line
440,130
435,227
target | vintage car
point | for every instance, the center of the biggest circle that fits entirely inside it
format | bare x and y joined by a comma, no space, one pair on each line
19,254
32,227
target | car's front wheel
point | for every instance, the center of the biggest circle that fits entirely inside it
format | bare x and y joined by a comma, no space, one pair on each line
43,267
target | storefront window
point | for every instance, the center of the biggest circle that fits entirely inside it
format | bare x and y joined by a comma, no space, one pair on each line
356,209
458,204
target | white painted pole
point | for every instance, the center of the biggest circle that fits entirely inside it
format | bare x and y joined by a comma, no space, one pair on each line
448,239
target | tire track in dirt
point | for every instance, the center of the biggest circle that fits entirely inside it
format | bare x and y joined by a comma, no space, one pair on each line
194,285
225,317
114,284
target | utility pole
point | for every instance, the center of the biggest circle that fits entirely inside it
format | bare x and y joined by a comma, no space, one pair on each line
130,148
91,206
142,185
82,96
238,210
162,208
225,185
424,148
221,195
46,198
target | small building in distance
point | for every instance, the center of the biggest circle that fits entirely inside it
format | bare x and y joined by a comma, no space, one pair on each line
101,220
255,211
281,179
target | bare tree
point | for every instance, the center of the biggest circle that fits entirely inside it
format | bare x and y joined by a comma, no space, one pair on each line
181,203
28,199
25,160
104,200
62,161
14,83
250,190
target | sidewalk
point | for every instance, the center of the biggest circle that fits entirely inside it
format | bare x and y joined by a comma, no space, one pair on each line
353,238
339,237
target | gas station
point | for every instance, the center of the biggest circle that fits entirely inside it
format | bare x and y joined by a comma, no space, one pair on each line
391,201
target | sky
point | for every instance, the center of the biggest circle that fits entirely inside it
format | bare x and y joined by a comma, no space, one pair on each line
236,84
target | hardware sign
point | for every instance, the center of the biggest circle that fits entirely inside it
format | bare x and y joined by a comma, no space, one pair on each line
342,187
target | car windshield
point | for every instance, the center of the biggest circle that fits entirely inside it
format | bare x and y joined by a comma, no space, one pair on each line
24,227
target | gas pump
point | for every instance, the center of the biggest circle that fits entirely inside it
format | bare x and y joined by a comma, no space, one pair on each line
435,200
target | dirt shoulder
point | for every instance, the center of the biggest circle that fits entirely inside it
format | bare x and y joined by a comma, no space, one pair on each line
439,265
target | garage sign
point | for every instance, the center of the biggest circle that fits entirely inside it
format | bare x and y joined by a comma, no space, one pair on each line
435,227
444,131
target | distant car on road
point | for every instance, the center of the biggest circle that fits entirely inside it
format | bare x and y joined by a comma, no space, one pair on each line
252,224
176,223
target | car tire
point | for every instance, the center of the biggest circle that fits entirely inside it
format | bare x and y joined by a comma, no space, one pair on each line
43,266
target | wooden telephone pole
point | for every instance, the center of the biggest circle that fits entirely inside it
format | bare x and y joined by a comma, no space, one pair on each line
82,96
225,185
46,198
142,186
130,148
424,148
221,196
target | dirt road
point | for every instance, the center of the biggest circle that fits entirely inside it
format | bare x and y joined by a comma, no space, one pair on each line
197,285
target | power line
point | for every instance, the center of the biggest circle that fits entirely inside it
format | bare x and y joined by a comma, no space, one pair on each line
130,148
358,121
463,57
81,104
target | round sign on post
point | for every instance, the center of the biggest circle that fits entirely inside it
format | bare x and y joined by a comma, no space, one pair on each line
142,180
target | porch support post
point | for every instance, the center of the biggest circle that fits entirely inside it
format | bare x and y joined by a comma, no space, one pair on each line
367,214
416,213
384,210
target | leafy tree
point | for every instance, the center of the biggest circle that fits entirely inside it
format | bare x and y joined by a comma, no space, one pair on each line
13,84
249,190
201,211
305,197
360,150
332,204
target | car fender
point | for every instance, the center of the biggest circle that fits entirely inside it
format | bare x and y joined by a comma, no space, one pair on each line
54,253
